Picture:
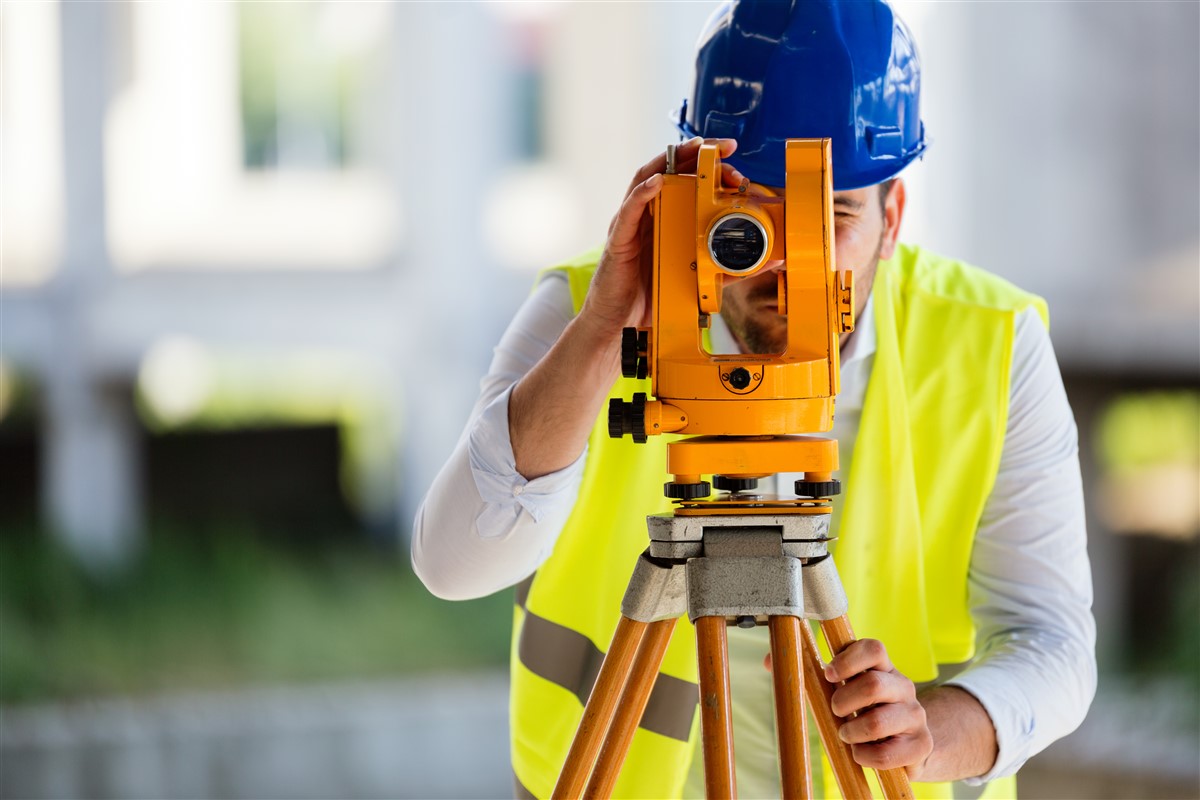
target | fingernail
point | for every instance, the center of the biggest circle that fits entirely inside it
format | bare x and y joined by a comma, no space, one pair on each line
830,675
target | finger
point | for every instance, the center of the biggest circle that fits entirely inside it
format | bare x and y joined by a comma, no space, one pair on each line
767,662
732,178
687,154
881,722
898,751
685,159
624,236
870,689
658,164
860,656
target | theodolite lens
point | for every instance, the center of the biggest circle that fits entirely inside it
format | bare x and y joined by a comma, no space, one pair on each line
737,242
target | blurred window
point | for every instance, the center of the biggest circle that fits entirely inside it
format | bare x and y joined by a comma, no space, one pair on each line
529,85
300,78
241,139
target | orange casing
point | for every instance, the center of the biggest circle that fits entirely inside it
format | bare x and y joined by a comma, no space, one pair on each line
790,392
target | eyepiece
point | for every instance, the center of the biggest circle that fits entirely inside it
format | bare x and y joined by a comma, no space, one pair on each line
738,243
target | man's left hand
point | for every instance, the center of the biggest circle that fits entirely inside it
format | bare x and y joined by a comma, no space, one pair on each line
890,729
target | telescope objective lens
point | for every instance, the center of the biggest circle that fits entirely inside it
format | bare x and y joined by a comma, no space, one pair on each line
737,243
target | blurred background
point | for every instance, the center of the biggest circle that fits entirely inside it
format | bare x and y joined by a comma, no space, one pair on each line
254,260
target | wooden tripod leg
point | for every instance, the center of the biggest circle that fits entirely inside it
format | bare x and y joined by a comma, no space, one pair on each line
839,635
601,705
630,709
790,719
849,775
716,723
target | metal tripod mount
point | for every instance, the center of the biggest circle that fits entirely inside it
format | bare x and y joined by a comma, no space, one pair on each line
720,569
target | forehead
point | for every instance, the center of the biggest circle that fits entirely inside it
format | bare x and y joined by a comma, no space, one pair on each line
850,199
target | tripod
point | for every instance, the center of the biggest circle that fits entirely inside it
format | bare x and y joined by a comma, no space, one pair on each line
749,563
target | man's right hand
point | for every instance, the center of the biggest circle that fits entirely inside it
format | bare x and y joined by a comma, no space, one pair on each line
620,293
552,409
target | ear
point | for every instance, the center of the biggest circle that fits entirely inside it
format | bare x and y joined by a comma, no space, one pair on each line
893,213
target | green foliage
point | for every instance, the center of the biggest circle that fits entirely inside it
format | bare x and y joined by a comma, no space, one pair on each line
1147,429
212,609
1180,655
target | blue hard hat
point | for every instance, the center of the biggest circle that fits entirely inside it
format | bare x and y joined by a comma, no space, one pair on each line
771,71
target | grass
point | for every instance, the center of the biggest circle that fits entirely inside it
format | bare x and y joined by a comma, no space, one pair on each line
229,608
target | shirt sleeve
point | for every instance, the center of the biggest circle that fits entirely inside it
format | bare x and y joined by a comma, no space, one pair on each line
1030,580
483,527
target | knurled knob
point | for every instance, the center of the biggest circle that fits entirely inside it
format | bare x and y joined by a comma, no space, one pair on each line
628,417
818,488
727,484
686,491
629,352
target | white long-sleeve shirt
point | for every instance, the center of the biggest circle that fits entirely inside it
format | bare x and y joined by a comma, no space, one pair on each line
484,527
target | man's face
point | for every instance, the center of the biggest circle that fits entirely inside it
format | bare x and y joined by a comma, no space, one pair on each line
865,231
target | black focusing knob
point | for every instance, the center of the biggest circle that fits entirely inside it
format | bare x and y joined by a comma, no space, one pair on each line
628,417
616,418
629,352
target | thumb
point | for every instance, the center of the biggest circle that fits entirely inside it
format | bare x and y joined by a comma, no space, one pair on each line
767,662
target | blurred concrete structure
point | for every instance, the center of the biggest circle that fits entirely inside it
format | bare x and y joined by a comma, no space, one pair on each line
1064,155
419,310
439,737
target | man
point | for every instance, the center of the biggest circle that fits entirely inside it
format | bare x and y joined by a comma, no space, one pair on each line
961,536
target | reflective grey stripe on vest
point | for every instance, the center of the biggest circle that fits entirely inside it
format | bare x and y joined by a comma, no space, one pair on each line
568,659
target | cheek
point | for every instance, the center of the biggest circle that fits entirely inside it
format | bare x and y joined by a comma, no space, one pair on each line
855,243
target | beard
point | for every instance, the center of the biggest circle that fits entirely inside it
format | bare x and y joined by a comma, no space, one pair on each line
763,332
756,331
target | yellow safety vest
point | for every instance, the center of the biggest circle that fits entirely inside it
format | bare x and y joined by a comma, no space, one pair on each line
925,460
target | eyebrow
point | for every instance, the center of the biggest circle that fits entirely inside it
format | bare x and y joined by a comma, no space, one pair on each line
848,202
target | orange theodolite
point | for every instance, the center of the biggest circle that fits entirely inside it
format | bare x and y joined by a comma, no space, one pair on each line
739,557
703,235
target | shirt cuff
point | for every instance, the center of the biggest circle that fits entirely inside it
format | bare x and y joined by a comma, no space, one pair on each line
1012,717
506,494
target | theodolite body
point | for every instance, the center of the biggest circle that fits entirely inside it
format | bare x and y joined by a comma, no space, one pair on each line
706,234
